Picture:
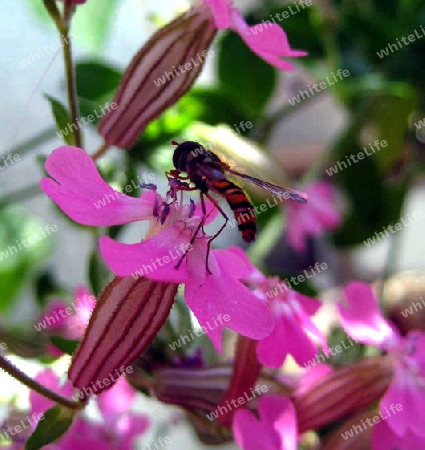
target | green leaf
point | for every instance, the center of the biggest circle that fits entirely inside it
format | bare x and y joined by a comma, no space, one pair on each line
214,107
389,114
244,76
54,423
68,346
24,243
373,203
63,119
45,286
96,80
98,274
184,323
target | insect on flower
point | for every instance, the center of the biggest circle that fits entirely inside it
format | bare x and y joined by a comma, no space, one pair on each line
209,173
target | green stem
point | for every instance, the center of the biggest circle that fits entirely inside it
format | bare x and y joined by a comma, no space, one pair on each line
102,149
70,73
267,239
23,378
33,142
390,266
22,194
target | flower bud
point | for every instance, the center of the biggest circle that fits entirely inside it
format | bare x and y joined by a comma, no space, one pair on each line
343,392
125,320
160,73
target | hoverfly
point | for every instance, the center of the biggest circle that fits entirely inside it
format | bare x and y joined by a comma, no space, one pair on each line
208,173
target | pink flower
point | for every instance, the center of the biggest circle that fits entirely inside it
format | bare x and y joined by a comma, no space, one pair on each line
77,186
292,318
292,312
403,405
276,428
211,296
118,430
67,320
84,304
312,219
269,43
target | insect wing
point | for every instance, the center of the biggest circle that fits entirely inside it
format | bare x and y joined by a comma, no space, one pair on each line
278,190
211,171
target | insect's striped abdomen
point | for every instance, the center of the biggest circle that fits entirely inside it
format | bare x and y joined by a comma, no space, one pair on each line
240,205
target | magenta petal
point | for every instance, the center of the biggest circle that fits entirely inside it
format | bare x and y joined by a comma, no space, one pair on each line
84,304
84,435
79,190
253,275
269,43
251,434
311,376
279,413
154,258
236,262
383,438
213,296
415,346
361,317
407,392
116,401
272,350
39,403
221,12
211,211
130,427
54,310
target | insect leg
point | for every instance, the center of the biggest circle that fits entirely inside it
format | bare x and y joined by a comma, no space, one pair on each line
200,225
214,201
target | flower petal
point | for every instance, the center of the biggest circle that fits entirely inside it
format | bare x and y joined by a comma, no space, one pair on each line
269,43
251,434
361,317
279,413
155,257
130,427
404,391
221,12
114,402
211,296
39,403
79,190
287,338
384,438
320,214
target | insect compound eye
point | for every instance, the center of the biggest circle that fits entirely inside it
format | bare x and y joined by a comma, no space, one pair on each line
183,150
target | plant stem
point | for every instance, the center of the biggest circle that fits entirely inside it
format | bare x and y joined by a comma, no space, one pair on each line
70,72
100,151
33,142
23,378
267,239
23,194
